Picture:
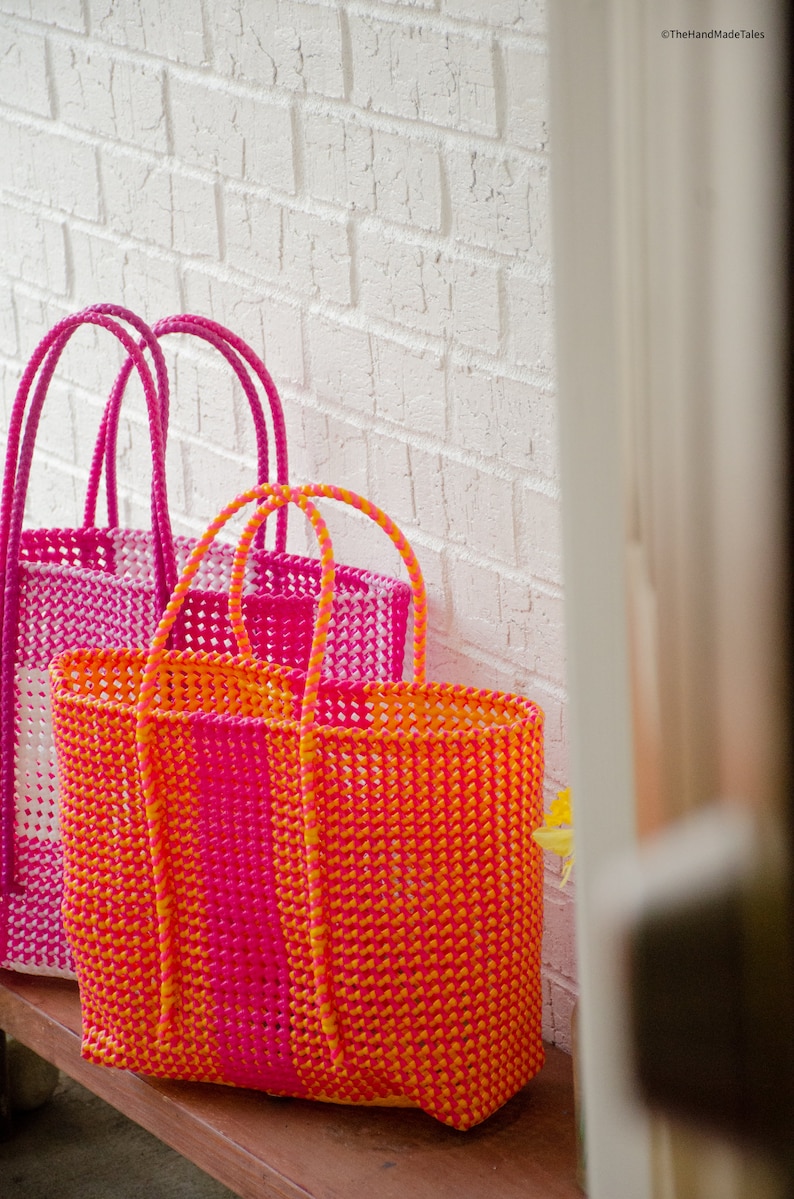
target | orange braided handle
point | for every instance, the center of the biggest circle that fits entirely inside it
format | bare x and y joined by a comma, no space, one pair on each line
275,497
289,494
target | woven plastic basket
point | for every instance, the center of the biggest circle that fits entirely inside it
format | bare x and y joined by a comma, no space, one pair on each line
312,887
109,585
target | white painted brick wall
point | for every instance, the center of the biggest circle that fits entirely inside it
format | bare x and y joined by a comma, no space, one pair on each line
424,71
23,78
174,33
34,248
110,98
360,188
290,45
338,158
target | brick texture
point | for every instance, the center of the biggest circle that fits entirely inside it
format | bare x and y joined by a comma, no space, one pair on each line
360,190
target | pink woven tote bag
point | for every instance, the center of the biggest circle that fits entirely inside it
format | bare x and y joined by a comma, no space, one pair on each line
315,887
108,585
63,586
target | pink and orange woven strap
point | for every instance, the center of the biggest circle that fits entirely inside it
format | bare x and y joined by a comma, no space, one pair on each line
318,931
275,497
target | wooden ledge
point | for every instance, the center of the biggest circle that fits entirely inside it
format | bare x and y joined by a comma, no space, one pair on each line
262,1147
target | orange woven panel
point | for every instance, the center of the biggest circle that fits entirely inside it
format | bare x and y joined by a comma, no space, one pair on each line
433,901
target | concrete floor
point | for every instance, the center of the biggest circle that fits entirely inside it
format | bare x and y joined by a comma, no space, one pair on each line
77,1147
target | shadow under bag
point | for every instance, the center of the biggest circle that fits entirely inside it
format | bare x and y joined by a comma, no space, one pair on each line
314,887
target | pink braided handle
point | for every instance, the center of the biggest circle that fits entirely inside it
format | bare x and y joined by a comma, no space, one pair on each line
275,497
236,352
51,347
17,473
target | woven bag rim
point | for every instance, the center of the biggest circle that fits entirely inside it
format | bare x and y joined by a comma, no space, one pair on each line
385,584
529,716
387,587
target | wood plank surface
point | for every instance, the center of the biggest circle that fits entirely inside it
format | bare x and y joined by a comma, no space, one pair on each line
267,1148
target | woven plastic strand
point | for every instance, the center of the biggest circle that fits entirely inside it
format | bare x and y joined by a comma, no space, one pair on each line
165,561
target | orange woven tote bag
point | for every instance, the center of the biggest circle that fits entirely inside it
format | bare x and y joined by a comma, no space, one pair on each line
313,887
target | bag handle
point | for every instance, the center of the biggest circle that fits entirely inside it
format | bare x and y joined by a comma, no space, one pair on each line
236,351
53,344
17,473
274,497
